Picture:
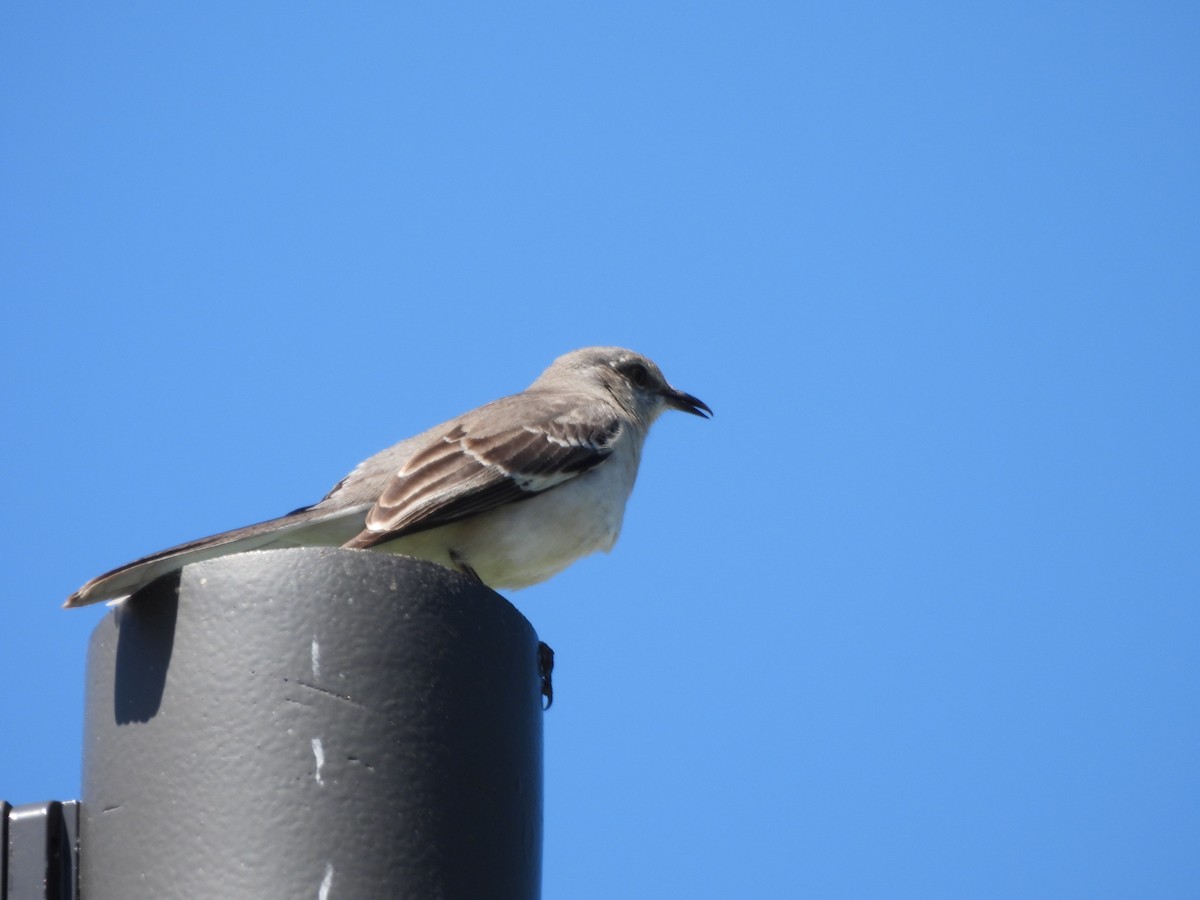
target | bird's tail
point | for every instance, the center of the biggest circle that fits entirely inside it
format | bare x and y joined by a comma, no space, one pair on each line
303,528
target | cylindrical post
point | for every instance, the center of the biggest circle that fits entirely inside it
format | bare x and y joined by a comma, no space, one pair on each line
313,723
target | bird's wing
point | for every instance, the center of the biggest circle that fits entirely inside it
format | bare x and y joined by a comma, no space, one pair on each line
501,453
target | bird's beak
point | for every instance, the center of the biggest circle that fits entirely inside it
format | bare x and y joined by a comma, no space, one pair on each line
686,402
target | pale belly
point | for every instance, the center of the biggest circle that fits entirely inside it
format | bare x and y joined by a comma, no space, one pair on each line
521,544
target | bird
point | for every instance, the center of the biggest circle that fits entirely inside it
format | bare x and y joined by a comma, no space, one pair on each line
510,493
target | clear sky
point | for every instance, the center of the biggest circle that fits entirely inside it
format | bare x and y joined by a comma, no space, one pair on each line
917,614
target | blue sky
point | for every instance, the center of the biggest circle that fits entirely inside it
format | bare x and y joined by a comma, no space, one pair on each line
917,614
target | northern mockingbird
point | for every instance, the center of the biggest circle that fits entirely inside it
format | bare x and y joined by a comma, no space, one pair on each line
511,493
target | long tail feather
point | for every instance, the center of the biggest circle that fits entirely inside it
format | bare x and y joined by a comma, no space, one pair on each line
306,527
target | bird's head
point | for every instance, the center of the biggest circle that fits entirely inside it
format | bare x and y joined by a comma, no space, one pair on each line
633,380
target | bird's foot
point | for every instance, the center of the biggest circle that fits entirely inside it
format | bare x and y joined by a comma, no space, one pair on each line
463,567
545,667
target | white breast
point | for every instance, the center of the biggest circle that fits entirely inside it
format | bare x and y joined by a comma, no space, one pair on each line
523,543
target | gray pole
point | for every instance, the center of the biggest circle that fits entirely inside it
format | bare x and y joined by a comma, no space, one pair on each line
313,723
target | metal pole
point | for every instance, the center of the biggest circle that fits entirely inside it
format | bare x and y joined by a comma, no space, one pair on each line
313,723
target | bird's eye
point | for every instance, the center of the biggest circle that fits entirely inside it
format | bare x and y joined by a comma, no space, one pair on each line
639,374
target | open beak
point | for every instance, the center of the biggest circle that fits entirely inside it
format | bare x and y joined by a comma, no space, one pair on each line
687,403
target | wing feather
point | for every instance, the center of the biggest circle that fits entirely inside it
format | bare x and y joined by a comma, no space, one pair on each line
502,453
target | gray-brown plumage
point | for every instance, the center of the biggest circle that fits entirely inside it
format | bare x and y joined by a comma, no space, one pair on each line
514,491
